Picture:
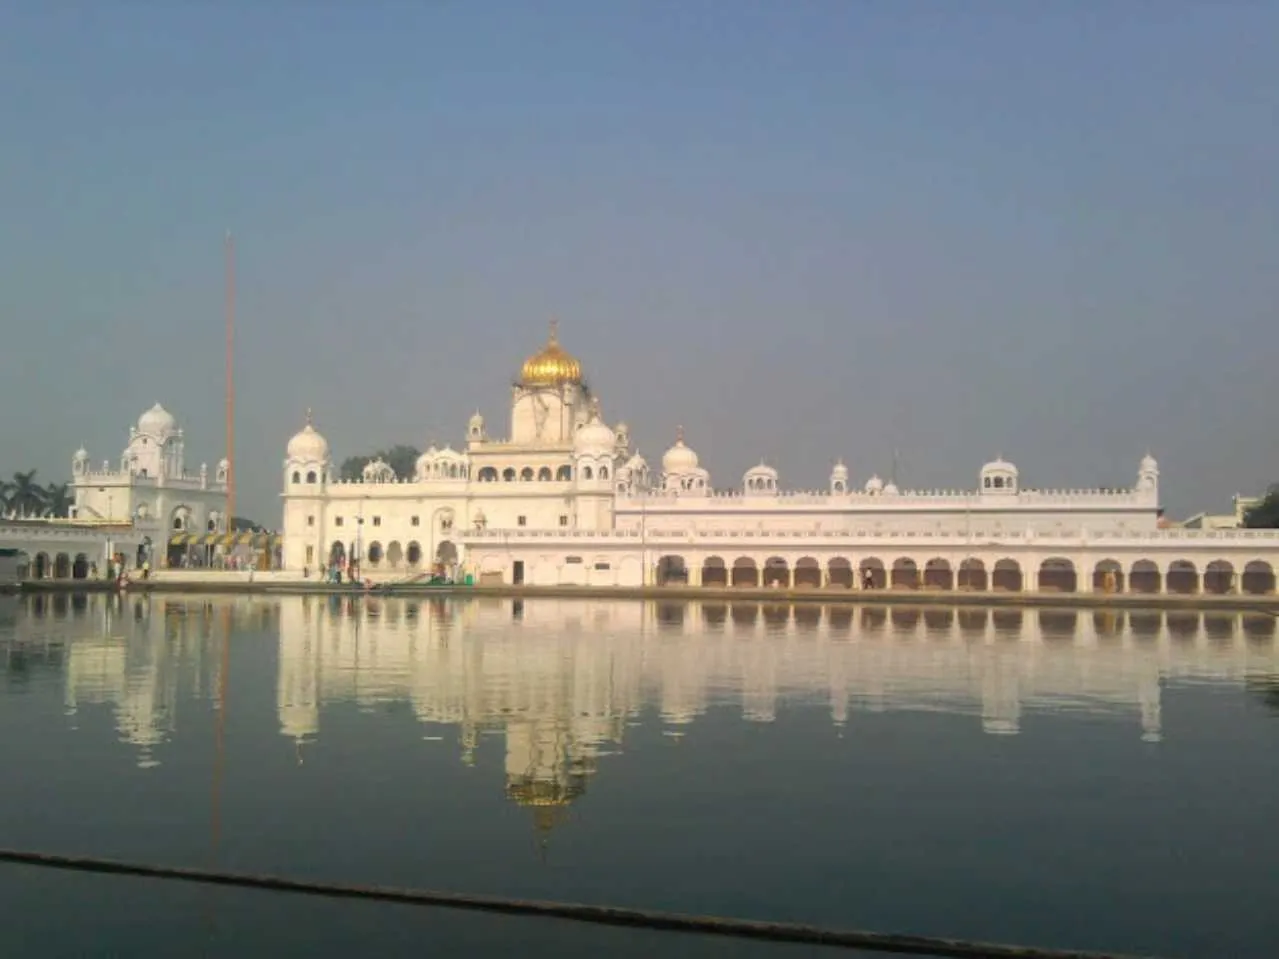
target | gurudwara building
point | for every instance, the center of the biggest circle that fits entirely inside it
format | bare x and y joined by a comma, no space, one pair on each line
564,499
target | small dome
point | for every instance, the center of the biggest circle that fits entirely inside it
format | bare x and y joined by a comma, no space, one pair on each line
890,488
760,479
637,464
157,421
551,365
875,484
308,444
1000,465
679,458
1149,464
840,471
81,454
595,438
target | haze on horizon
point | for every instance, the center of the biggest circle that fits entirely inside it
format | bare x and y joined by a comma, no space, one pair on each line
802,230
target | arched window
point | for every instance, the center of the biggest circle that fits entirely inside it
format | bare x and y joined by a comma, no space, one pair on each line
310,477
508,475
297,477
999,482
586,473
603,472
544,473
564,473
526,474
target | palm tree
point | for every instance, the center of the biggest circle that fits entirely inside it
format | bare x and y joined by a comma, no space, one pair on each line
58,500
26,497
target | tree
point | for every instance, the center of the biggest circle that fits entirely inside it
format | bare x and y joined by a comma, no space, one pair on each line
1265,515
242,524
24,496
401,458
58,500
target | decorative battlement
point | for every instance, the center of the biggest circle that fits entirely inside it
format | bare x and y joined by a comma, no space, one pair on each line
752,500
1265,538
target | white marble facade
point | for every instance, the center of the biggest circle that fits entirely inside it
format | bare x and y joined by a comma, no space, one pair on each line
563,499
151,486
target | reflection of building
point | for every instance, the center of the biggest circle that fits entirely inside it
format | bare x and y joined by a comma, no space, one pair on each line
142,659
563,500
559,679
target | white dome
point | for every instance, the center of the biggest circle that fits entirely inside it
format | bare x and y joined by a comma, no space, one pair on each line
157,421
637,464
875,484
679,458
594,439
81,454
890,488
840,471
1149,464
308,444
760,479
1000,465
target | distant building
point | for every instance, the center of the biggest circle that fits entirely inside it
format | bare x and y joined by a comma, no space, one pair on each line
1223,520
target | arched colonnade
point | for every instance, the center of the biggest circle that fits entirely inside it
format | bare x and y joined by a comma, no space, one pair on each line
1060,574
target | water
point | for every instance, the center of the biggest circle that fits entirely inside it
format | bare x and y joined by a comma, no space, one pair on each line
1089,780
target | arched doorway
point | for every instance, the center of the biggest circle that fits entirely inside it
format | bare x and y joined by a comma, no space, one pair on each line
905,574
1258,578
938,574
446,553
1057,575
414,553
776,573
1144,577
1006,576
808,573
80,567
671,571
1108,577
1182,578
337,553
395,554
714,572
61,566
375,553
1219,578
872,573
40,568
840,572
972,575
745,572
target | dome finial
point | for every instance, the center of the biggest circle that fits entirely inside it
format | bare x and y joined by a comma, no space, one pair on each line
554,335
679,434
310,419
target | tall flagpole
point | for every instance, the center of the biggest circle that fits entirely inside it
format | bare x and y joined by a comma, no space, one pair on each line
230,382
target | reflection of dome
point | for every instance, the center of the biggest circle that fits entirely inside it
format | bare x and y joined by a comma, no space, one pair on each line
679,458
309,444
551,365
545,792
157,421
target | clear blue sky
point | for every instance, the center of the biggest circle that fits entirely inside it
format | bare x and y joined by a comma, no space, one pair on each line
802,229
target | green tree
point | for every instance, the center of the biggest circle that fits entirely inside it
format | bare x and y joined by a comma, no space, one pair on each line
1265,515
24,495
400,457
58,500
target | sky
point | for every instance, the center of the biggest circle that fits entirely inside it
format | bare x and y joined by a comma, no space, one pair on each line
803,230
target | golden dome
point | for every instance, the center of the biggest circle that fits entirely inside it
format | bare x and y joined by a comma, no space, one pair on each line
551,365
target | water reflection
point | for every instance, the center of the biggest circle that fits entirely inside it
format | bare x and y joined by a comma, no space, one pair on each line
559,680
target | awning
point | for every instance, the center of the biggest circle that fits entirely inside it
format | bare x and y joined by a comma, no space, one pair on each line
226,540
